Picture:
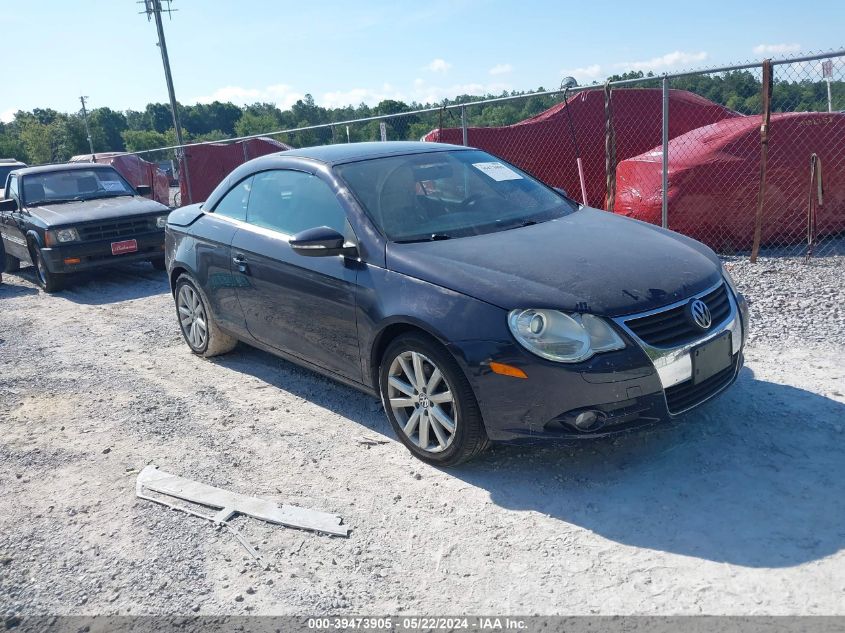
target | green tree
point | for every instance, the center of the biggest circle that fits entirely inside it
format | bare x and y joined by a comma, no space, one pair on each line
158,117
107,127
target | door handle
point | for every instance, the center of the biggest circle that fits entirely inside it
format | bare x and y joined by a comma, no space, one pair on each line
240,261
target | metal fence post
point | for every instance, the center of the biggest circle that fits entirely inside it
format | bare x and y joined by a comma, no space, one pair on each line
664,211
464,124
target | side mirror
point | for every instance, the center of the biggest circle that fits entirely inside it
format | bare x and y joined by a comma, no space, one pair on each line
9,205
561,192
144,190
321,242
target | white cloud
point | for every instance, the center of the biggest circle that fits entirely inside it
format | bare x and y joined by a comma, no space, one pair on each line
284,96
664,62
501,69
423,92
770,49
353,97
585,74
6,116
438,65
281,94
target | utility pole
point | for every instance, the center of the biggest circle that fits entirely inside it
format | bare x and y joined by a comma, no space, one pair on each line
153,8
87,129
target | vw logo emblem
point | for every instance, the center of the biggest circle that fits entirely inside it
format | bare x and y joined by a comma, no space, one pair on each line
424,401
700,314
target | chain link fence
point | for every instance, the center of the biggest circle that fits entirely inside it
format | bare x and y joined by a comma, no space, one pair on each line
682,150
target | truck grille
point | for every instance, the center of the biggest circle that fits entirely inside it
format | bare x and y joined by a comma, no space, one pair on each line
672,327
686,395
116,229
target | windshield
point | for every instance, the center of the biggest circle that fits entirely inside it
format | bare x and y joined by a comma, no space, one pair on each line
74,184
5,170
449,194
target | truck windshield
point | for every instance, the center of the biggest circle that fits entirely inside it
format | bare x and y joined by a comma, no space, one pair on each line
5,170
73,184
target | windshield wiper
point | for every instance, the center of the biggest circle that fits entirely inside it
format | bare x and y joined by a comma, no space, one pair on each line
518,225
434,237
53,201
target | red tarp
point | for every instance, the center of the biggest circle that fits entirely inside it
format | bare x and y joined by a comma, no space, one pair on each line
209,164
543,147
714,175
135,169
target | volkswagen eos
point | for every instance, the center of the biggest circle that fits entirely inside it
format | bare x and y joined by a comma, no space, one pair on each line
478,303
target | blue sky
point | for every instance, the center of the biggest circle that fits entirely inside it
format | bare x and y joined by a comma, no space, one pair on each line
344,52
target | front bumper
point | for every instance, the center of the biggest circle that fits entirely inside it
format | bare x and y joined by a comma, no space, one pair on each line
98,254
629,388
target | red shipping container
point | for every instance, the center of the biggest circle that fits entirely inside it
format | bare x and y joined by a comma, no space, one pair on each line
210,163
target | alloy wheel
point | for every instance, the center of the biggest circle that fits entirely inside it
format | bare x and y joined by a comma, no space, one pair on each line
422,401
192,317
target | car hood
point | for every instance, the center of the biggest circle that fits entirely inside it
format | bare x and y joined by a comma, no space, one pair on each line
94,210
589,261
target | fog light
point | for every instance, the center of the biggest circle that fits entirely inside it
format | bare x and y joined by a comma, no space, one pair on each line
585,420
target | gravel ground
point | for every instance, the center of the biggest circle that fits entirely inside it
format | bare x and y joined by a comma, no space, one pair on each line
739,508
793,301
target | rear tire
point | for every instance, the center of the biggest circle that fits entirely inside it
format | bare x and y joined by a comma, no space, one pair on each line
49,282
198,326
424,393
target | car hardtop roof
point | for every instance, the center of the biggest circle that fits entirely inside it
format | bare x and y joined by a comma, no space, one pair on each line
353,152
11,161
43,169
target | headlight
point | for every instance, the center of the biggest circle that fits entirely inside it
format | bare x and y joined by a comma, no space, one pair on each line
565,338
161,221
729,280
65,235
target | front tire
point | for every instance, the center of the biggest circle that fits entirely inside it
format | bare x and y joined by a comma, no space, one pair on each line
49,282
429,402
198,326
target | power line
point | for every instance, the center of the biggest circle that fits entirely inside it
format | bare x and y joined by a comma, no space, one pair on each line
153,8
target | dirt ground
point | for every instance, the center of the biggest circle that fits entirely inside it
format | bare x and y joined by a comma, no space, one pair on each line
739,508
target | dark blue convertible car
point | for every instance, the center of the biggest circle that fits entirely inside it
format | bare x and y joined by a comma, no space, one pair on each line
479,304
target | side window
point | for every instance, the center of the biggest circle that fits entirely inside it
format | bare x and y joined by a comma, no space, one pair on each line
292,201
13,189
233,204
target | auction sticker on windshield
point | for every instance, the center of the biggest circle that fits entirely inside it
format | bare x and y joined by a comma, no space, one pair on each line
113,185
497,171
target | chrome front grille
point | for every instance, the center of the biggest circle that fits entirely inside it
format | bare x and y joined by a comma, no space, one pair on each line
672,327
116,229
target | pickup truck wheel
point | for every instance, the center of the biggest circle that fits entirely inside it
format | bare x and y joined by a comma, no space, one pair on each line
11,264
49,282
198,325
159,263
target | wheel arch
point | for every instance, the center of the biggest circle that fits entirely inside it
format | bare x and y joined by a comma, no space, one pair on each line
387,334
174,275
33,241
